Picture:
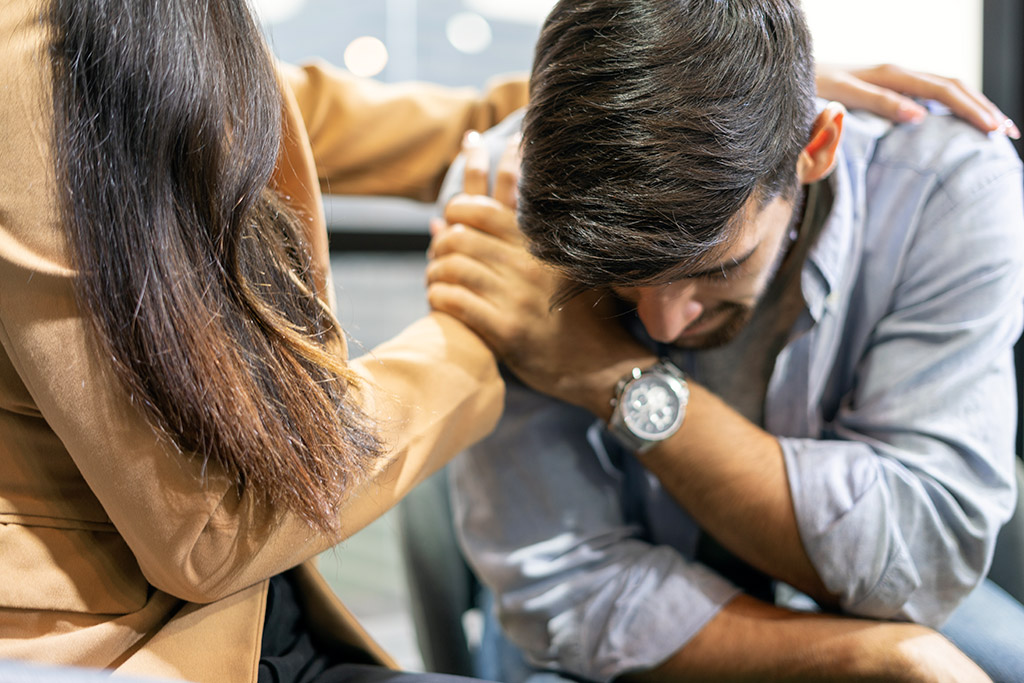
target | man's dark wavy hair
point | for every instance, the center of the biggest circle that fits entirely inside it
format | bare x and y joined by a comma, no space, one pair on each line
651,123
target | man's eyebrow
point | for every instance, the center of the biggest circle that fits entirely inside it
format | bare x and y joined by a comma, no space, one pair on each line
722,268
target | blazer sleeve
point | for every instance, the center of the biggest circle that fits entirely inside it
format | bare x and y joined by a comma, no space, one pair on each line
391,138
433,389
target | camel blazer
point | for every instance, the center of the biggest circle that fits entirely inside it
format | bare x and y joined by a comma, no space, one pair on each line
116,551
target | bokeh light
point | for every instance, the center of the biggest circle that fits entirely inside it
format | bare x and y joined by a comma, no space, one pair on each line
468,32
530,12
366,56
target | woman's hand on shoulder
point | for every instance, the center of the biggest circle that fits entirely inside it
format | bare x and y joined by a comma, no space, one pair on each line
889,91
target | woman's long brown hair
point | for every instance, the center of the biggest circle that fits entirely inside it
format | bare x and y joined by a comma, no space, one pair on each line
194,274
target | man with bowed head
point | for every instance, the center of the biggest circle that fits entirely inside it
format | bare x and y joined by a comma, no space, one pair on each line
775,362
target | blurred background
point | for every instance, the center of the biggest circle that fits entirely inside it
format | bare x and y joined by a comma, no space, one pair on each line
377,244
464,42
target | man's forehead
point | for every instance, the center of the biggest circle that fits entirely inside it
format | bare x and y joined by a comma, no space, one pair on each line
740,240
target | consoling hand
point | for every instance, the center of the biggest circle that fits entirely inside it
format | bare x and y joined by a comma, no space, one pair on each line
481,273
887,90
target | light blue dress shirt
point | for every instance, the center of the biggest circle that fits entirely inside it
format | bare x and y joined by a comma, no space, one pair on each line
894,403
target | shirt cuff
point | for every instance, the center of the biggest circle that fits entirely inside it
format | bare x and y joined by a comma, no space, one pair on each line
842,511
649,614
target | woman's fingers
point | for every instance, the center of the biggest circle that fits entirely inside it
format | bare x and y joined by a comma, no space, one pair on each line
458,269
475,180
856,93
490,251
473,310
486,214
962,100
506,183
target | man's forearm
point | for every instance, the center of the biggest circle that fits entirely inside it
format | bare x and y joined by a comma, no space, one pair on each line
730,477
752,641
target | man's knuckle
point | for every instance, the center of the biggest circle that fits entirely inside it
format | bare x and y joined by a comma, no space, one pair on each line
461,240
441,244
511,330
437,297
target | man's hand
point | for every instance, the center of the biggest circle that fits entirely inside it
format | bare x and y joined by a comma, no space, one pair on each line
481,273
928,656
888,90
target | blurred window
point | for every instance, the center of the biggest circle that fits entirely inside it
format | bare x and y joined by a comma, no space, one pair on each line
453,42
465,42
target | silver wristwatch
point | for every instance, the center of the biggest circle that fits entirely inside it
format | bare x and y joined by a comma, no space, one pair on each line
649,405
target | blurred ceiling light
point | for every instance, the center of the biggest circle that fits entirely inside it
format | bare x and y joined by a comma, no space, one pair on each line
276,11
366,56
520,11
468,32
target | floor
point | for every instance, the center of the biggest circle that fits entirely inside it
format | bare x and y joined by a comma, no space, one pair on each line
378,295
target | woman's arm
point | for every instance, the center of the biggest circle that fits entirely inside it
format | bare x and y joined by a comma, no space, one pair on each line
391,138
888,91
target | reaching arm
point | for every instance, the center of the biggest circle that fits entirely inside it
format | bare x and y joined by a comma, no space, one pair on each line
391,138
888,90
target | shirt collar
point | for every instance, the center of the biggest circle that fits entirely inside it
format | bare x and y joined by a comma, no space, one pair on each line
829,262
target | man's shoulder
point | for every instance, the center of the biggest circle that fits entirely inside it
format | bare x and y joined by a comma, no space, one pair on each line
937,201
953,156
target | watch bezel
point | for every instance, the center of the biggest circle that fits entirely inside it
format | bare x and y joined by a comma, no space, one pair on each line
676,387
664,372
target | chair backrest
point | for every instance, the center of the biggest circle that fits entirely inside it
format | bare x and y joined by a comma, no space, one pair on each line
441,585
1008,563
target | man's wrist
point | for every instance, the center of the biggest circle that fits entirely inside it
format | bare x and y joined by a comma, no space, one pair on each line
649,405
597,390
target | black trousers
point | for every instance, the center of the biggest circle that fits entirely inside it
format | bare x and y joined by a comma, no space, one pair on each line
291,654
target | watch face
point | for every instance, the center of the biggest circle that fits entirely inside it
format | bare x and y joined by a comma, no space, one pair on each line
651,409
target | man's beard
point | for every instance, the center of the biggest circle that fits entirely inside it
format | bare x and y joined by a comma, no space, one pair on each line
734,318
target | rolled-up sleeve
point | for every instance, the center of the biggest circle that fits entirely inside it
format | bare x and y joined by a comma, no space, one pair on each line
539,515
900,503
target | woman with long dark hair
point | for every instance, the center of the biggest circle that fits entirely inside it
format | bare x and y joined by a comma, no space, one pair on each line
178,419
180,430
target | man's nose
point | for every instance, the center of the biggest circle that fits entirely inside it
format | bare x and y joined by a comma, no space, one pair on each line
667,311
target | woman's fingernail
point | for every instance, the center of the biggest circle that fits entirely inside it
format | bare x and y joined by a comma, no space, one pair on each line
1009,128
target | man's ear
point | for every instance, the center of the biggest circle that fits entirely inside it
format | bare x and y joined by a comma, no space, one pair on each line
818,158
